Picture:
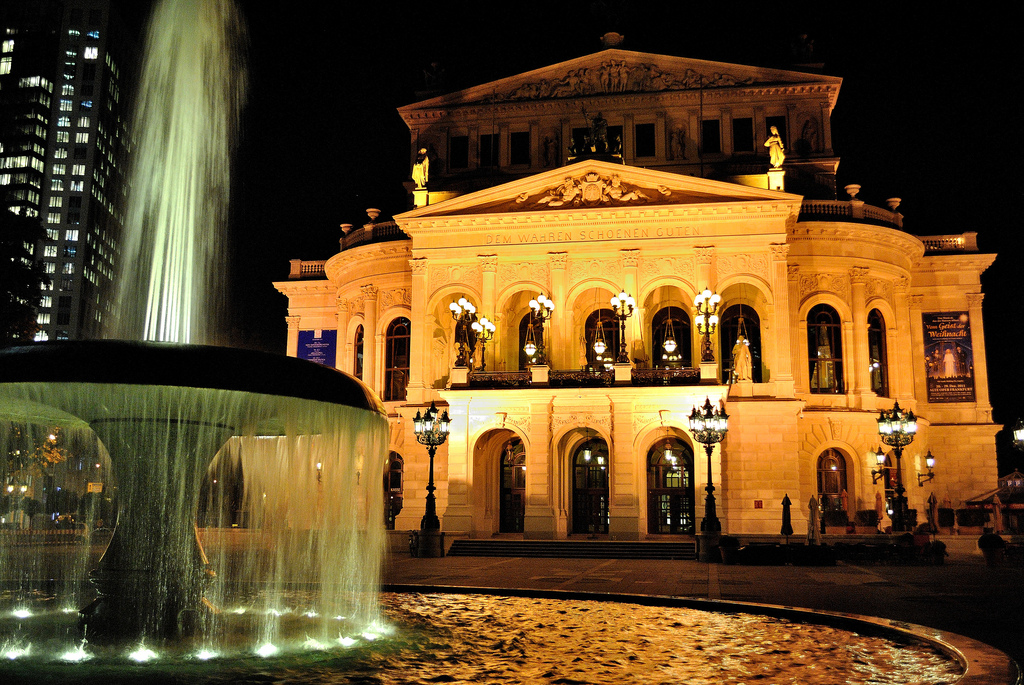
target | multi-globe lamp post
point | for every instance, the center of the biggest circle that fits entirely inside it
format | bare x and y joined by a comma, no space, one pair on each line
431,430
484,329
623,305
706,319
709,426
541,309
464,313
897,429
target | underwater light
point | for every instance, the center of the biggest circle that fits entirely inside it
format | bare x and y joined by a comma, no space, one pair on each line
267,650
13,653
346,641
142,654
21,613
77,654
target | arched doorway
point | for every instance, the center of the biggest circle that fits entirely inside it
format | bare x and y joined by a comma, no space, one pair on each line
670,495
513,487
393,489
590,488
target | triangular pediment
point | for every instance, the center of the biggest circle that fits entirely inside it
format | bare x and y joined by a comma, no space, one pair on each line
615,71
596,184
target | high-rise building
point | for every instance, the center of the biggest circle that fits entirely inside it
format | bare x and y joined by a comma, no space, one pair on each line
63,143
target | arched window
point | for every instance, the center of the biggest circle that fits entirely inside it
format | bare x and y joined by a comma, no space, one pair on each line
513,486
537,336
393,484
879,365
670,498
396,360
737,320
590,487
831,480
602,325
671,323
357,346
825,349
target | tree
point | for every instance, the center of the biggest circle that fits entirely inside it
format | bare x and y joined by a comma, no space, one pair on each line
20,277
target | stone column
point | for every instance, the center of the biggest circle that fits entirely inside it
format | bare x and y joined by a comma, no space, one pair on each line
781,324
419,336
540,519
344,361
489,269
709,371
660,137
623,485
980,362
898,346
560,346
630,272
292,348
370,352
826,127
798,348
916,371
859,369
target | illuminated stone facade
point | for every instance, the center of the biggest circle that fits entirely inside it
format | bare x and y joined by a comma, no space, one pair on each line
845,311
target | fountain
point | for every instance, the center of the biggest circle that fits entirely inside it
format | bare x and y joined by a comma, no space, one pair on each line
162,409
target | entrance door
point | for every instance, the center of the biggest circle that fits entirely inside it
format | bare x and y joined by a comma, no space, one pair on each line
590,488
670,497
513,487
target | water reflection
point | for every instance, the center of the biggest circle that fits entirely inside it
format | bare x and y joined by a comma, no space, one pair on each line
478,639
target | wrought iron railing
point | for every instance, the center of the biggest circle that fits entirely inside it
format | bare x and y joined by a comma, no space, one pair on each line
685,376
581,379
500,379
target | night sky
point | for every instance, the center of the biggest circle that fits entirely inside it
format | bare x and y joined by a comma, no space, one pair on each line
927,115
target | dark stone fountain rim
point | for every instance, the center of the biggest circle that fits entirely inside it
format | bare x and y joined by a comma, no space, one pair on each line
192,366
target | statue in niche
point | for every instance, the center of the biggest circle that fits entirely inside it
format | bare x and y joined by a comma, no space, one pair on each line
599,134
677,142
742,363
809,136
550,150
421,168
776,150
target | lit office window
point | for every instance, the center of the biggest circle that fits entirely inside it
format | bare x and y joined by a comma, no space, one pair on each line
65,105
78,170
91,52
49,250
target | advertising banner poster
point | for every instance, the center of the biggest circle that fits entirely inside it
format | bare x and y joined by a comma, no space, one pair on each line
319,346
948,357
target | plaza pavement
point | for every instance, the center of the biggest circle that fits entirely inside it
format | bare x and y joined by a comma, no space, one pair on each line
962,596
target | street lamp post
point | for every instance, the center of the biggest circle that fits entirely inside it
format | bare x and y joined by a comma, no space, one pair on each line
484,333
464,313
542,307
897,430
623,305
707,321
431,430
709,425
1018,435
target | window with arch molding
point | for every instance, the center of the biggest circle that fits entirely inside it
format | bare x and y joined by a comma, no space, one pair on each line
825,349
671,323
357,347
396,359
877,357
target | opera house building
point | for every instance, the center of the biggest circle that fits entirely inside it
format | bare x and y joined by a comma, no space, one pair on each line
601,251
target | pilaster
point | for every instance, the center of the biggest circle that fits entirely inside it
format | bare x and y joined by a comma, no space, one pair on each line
419,349
371,353
292,348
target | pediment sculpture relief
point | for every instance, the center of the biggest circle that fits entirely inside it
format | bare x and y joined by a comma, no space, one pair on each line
593,189
616,76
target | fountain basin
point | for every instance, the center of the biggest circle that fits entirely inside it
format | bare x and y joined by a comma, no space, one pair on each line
163,412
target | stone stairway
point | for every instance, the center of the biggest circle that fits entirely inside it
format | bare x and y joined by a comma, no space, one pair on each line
573,549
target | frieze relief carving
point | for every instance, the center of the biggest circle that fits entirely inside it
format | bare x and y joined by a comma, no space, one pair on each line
443,275
642,420
830,283
592,190
683,267
880,288
395,297
756,264
523,271
581,420
617,76
585,268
